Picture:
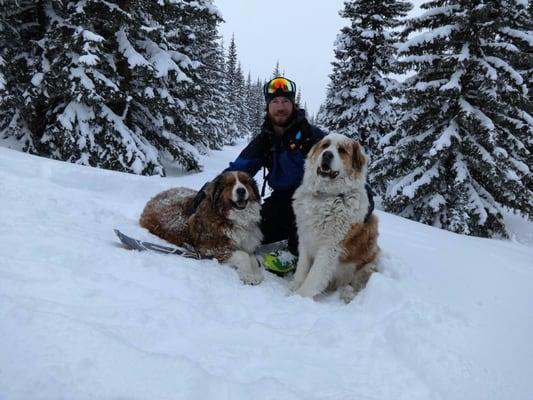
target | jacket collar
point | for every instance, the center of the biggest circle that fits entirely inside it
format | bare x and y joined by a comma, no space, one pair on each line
292,129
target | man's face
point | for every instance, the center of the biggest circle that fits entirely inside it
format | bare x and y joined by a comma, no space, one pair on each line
280,111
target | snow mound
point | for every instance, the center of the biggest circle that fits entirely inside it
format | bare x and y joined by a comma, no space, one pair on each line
447,317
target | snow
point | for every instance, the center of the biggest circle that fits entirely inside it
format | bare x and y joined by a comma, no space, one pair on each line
445,139
427,37
134,58
88,59
453,83
501,64
469,109
424,179
448,317
2,79
84,80
37,79
160,59
89,36
525,36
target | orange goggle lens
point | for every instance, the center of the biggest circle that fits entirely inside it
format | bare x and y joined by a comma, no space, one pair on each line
283,84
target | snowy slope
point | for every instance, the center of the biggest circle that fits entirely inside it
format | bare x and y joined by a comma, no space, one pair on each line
449,317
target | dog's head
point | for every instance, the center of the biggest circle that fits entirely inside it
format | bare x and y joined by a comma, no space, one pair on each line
336,158
234,190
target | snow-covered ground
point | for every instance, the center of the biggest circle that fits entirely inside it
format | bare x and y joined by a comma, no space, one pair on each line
449,317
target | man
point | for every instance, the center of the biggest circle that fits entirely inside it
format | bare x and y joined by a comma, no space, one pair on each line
281,147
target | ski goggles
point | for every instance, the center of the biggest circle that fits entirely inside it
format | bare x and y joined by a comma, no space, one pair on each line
279,86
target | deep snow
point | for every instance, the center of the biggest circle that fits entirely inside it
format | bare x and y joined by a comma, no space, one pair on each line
449,316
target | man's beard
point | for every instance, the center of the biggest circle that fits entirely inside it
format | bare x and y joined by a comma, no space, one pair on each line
281,119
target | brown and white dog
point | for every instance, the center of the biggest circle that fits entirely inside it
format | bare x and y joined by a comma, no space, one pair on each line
225,225
337,240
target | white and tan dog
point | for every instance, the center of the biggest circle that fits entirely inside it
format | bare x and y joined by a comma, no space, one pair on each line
337,231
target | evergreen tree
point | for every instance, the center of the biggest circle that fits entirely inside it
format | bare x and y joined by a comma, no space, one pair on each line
359,95
250,104
17,30
111,84
457,155
231,71
6,109
212,112
298,96
258,106
277,72
516,34
226,107
320,117
241,105
233,89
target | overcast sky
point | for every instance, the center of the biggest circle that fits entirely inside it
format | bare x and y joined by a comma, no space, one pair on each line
298,33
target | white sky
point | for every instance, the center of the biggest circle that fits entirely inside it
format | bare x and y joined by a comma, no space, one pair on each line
298,33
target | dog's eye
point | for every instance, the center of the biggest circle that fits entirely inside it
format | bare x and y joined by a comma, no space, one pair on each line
341,150
324,145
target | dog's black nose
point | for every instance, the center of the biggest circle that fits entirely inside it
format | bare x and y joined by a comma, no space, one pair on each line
327,156
241,192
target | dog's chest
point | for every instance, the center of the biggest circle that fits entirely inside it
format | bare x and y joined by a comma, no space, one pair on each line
246,238
245,232
327,219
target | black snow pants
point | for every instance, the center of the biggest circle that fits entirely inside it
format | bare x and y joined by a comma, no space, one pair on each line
278,221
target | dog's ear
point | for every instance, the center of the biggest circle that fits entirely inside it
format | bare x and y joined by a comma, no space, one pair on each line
255,189
315,150
358,156
217,187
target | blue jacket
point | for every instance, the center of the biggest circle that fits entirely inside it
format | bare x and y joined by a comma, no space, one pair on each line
283,156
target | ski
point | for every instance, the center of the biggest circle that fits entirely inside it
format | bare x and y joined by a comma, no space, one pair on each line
186,251
140,245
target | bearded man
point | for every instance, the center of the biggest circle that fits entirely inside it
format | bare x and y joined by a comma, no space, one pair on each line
280,148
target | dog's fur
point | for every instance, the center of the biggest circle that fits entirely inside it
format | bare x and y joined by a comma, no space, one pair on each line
225,225
337,246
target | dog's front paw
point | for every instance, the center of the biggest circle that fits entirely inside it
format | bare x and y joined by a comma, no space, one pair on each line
306,292
251,277
347,293
294,285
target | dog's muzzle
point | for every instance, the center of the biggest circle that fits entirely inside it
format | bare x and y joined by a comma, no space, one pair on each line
324,169
242,198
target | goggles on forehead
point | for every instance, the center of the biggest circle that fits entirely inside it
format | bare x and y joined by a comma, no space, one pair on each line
279,85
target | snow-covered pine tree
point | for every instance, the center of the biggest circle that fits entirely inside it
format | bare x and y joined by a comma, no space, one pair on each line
157,67
6,107
80,106
231,71
110,84
298,97
359,95
211,114
233,90
230,127
258,106
528,22
276,71
320,117
250,104
515,45
242,106
456,156
17,30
